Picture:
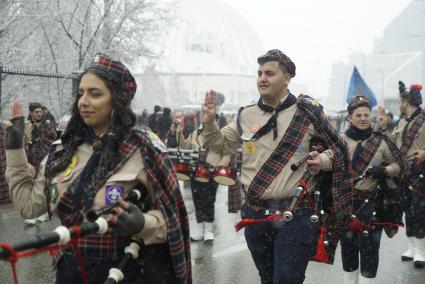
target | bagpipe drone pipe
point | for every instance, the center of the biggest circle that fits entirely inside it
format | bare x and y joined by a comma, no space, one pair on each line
62,236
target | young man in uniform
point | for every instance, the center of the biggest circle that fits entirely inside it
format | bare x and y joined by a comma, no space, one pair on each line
409,136
374,157
275,133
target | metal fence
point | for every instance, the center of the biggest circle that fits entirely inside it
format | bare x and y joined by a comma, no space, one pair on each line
53,90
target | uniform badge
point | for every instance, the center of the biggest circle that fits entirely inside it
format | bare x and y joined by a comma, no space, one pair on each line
250,147
67,173
96,59
53,193
156,141
113,193
255,128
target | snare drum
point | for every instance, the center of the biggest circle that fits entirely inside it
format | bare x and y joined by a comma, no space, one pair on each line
202,173
225,176
184,170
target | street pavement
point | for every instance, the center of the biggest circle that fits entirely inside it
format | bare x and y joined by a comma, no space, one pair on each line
227,260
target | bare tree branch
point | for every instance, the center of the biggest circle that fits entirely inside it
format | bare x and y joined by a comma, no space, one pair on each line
63,26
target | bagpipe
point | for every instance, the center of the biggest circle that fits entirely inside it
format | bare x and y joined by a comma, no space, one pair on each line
313,200
380,207
414,179
62,236
192,164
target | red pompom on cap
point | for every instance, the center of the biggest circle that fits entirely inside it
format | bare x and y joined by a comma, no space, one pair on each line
416,86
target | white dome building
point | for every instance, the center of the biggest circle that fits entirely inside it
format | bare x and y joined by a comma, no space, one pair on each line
210,46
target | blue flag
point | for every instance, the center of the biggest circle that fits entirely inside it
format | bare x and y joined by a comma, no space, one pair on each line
358,87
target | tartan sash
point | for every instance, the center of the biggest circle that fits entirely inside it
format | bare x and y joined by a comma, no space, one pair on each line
366,155
280,156
411,133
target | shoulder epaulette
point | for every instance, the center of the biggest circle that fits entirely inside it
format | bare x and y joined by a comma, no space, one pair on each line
238,122
151,138
308,100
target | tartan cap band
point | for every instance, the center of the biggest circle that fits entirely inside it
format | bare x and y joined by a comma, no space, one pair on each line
117,71
279,56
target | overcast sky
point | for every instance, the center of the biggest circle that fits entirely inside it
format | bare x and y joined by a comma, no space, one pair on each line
315,33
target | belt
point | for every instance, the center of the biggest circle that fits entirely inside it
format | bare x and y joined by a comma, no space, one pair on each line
273,204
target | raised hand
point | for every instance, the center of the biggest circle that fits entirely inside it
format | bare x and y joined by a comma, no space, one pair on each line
16,110
14,138
209,108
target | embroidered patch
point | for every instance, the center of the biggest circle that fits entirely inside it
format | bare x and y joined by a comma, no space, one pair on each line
53,193
157,143
250,147
113,193
71,166
255,128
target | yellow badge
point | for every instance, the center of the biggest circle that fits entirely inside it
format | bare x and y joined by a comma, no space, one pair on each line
315,102
71,166
250,147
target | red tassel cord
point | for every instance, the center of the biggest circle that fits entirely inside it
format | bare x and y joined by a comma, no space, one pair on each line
80,262
245,222
52,250
321,255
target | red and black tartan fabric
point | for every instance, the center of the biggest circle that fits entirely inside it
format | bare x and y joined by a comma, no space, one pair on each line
410,176
366,155
234,197
168,198
118,72
342,185
42,137
411,133
4,189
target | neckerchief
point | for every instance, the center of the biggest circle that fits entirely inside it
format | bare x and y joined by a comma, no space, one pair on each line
408,135
357,135
78,188
272,122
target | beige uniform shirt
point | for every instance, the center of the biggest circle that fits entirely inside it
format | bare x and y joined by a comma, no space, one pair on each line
256,153
383,154
214,158
418,141
28,195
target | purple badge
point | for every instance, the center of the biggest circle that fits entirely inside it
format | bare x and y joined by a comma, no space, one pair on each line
112,193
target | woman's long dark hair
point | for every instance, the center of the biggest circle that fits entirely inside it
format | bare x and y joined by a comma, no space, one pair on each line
122,120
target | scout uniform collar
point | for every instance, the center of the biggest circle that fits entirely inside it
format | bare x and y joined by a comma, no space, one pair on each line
272,122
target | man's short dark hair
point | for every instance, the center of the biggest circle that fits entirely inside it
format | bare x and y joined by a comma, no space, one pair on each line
285,63
34,105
